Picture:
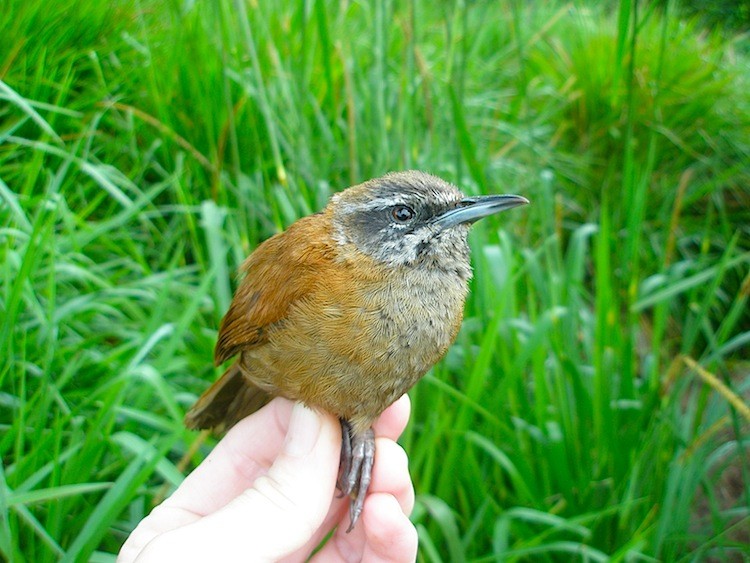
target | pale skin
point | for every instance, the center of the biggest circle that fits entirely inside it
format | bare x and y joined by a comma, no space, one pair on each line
267,493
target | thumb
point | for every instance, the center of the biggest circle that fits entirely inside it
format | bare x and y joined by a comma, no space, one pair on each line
284,507
296,493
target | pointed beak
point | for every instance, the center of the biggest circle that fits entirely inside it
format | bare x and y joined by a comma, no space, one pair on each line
472,209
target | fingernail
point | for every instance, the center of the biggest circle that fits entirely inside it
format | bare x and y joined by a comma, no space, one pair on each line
304,429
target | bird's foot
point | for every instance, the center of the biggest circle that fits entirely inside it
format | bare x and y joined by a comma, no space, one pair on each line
355,471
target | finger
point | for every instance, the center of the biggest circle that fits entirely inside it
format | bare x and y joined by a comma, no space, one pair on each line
245,453
338,515
393,420
384,534
391,477
282,509
390,474
390,534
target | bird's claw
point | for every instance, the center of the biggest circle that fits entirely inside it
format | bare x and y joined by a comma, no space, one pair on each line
357,458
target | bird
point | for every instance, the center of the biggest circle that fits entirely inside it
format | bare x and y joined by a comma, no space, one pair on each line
347,309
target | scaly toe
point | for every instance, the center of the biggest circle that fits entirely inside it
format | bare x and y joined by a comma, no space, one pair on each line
345,463
363,459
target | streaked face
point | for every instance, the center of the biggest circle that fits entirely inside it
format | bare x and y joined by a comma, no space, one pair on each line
393,220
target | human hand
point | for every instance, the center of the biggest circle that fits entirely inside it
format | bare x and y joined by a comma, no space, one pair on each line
267,493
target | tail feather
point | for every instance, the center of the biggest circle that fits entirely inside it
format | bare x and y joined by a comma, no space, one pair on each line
230,399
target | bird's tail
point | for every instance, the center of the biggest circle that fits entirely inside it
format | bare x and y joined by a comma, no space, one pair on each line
226,402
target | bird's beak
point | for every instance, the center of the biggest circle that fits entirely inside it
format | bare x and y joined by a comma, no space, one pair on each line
472,209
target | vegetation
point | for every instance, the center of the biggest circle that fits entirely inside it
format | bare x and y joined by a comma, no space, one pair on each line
594,406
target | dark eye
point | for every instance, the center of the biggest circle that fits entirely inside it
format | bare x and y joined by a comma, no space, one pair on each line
402,213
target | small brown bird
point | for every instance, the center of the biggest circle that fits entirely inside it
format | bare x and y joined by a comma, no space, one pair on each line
348,308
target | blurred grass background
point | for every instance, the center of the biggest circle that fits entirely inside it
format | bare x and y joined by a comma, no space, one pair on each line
594,406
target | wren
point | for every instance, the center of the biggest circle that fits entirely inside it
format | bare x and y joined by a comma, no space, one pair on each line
348,308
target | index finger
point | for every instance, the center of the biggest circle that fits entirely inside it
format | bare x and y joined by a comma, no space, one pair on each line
393,420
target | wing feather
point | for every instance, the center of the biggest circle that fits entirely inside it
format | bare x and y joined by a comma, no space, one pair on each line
281,271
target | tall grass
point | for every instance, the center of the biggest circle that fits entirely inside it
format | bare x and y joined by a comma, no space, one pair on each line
146,148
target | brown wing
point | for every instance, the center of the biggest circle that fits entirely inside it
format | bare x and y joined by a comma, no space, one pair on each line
281,271
230,399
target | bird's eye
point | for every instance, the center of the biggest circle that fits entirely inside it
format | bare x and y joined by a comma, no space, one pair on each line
402,213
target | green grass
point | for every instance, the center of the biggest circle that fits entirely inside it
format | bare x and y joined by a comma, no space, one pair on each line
146,148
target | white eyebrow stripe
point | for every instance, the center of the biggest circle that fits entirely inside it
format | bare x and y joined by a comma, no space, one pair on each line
382,203
411,200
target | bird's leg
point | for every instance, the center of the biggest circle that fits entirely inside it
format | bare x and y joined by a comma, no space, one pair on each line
345,462
357,458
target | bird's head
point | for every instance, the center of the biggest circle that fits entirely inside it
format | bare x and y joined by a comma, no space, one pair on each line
412,219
